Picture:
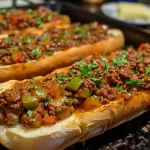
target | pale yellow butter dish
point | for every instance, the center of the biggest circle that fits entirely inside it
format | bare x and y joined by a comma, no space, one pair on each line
130,10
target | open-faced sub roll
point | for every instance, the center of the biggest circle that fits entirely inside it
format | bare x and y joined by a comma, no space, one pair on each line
29,55
75,103
29,21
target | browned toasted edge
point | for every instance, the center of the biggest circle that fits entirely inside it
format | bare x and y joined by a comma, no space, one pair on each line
60,59
96,122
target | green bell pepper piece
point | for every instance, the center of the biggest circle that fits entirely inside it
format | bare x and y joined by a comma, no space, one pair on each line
30,102
41,92
87,93
74,84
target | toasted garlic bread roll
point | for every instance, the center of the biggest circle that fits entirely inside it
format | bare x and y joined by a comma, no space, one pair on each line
29,21
29,55
75,103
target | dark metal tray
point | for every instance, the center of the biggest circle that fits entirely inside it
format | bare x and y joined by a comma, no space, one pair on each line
133,135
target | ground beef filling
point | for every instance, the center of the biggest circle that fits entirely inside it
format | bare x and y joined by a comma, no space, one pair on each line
90,83
19,19
20,49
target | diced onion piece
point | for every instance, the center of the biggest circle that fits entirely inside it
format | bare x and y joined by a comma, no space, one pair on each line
91,103
65,113
41,92
58,101
30,102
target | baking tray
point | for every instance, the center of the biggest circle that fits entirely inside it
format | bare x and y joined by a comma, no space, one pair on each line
133,135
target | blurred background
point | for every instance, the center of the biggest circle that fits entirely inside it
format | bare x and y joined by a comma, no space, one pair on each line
10,3
108,8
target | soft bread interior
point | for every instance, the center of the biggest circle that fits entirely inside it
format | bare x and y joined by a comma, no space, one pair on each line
49,137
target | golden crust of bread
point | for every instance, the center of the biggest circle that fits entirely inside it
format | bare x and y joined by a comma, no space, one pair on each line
113,114
78,127
60,59
64,21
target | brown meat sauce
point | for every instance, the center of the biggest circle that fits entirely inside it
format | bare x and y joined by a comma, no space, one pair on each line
96,81
14,19
20,49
